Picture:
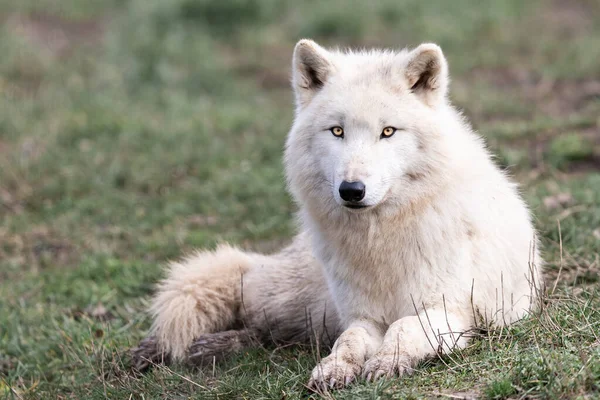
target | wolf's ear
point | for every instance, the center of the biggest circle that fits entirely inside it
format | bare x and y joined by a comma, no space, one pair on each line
311,67
427,73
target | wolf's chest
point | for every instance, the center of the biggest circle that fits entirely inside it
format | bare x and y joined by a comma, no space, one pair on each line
382,282
387,277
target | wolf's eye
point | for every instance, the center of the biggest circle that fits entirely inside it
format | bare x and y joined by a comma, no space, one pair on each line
388,132
337,131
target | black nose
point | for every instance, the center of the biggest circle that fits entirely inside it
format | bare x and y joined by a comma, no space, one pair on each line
352,191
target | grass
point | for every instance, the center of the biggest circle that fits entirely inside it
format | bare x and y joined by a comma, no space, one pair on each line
134,131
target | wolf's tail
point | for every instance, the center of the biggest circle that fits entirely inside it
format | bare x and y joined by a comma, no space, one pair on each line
201,294
218,301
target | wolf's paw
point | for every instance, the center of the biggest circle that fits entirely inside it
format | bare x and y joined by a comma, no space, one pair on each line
148,353
333,373
386,365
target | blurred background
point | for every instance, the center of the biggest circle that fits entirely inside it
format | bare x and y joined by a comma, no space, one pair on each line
133,131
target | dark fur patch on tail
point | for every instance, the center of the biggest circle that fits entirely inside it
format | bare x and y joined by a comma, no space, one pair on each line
147,353
218,345
203,350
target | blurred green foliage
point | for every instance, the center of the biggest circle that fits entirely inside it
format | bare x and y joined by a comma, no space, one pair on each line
133,131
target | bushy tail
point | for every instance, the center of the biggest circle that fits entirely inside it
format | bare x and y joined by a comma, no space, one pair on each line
201,294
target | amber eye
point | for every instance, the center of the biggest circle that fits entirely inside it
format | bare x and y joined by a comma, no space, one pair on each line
388,132
337,131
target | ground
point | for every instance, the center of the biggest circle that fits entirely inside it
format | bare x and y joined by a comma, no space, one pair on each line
133,131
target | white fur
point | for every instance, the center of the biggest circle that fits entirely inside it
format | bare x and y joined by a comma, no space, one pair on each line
445,242
446,232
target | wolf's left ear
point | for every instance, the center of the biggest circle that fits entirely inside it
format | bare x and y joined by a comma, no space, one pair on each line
312,66
427,73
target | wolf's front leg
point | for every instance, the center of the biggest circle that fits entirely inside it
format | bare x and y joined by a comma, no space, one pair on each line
411,339
350,351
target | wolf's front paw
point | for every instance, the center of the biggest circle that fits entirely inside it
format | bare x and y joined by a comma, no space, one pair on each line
333,373
386,365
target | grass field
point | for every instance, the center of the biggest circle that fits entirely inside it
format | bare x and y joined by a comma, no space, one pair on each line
132,131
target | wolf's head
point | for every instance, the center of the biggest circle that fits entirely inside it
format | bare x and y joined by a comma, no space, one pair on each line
369,128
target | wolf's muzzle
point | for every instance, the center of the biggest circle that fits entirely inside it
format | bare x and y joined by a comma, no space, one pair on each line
352,191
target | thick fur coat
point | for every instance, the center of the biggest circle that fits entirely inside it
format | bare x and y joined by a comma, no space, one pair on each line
410,235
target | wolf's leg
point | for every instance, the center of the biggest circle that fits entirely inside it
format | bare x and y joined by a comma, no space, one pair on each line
354,346
411,339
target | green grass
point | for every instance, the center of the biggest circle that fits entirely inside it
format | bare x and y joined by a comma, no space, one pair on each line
134,131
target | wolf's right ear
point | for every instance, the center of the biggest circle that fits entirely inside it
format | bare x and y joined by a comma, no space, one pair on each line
311,67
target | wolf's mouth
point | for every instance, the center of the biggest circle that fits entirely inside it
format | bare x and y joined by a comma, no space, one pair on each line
355,206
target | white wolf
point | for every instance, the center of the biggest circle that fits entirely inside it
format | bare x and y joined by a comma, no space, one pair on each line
410,237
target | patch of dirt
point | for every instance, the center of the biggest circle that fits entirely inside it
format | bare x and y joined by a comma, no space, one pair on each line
470,395
56,34
539,146
583,167
46,248
99,312
49,36
503,76
9,203
200,220
267,66
563,97
559,200
37,249
6,365
551,97
269,79
96,312
569,17
574,273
